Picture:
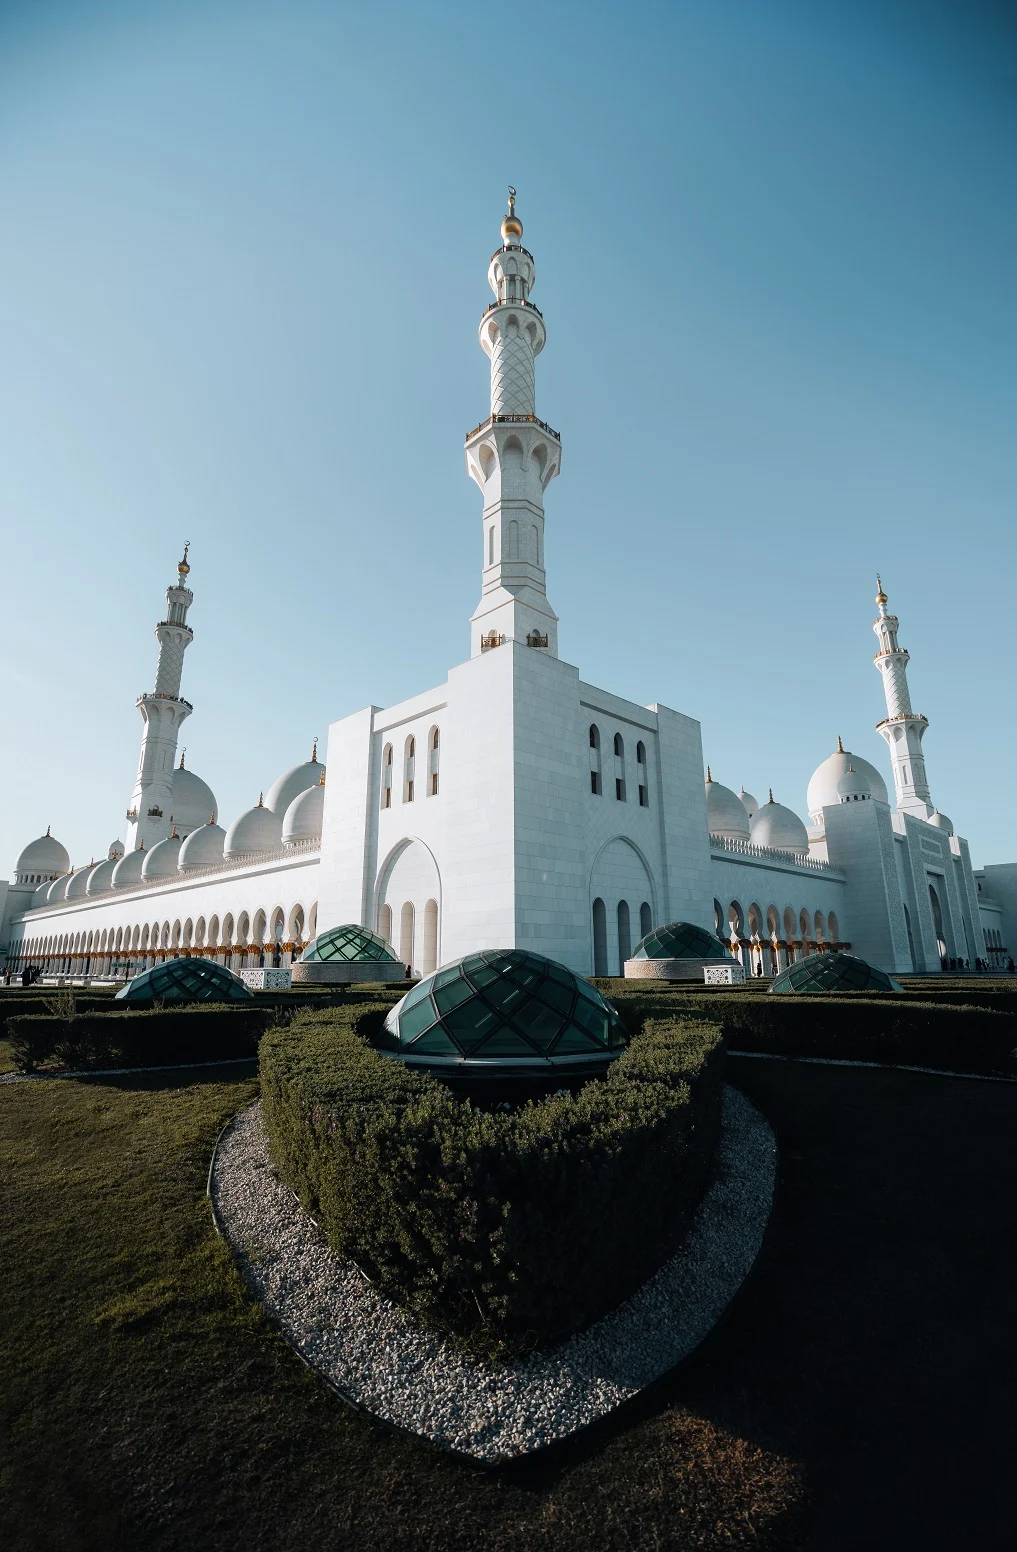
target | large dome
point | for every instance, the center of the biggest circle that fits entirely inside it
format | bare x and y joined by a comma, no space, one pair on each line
127,873
832,972
725,812
681,940
822,791
193,800
203,848
257,830
779,827
101,876
350,942
161,861
941,822
185,980
503,1009
304,815
292,783
41,860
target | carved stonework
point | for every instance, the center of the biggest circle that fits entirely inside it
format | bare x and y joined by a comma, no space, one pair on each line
535,639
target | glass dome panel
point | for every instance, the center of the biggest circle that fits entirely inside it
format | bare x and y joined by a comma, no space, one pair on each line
185,980
833,972
681,940
349,942
506,1007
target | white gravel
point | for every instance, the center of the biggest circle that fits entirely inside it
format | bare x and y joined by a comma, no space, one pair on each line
380,1358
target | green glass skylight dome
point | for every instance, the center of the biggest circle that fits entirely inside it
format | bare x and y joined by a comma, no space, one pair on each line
833,972
681,940
503,1010
185,980
347,943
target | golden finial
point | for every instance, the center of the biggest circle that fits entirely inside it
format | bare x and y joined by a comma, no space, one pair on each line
182,565
141,844
840,746
771,794
314,752
708,776
182,753
261,800
173,834
511,226
91,862
211,817
880,595
47,829
321,778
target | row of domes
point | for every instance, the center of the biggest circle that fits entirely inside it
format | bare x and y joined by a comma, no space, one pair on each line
289,813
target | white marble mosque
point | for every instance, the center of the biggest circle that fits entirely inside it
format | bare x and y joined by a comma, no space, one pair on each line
514,805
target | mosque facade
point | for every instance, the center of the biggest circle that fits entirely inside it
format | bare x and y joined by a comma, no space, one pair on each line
514,805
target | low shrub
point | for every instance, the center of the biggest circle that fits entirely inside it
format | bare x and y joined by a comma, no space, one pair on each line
150,1037
36,1002
504,1228
849,1026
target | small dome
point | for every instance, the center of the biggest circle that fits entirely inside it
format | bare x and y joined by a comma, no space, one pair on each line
193,800
725,813
116,850
832,972
161,861
78,886
823,792
941,822
185,980
127,873
42,859
40,896
779,827
58,889
503,1009
681,940
257,830
293,782
203,848
304,815
748,802
350,942
853,786
101,876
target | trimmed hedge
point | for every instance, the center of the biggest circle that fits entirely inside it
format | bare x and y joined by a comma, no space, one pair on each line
505,1229
31,1002
149,1037
850,1026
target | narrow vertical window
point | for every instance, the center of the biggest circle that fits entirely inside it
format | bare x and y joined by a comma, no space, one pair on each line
644,786
595,784
432,762
624,935
619,768
409,763
599,938
386,777
490,545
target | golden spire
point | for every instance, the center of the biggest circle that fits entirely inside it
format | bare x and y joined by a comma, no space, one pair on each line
314,753
141,844
182,753
173,834
511,226
708,776
840,746
47,829
880,595
321,778
261,800
182,565
771,794
211,817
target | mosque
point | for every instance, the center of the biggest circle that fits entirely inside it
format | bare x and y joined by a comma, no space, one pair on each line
514,805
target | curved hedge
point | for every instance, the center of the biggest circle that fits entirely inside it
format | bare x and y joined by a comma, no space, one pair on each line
506,1229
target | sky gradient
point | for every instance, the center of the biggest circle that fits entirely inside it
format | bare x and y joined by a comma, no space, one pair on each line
244,264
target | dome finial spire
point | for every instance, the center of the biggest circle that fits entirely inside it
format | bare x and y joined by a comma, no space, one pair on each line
47,829
314,751
511,226
880,595
182,565
840,746
182,753
708,776
771,794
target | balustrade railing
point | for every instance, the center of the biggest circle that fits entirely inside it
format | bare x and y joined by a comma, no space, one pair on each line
769,853
528,420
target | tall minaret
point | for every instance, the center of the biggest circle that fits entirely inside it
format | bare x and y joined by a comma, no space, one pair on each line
162,711
513,456
902,728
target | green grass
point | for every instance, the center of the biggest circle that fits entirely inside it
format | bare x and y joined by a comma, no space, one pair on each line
6,1059
862,1392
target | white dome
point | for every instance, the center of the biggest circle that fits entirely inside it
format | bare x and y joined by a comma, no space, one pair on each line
42,859
203,848
39,898
823,792
193,801
853,786
940,821
292,783
127,872
101,876
58,889
161,861
775,825
303,817
748,802
725,812
257,830
78,886
116,851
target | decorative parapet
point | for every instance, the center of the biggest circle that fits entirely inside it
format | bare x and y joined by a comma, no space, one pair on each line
770,854
528,420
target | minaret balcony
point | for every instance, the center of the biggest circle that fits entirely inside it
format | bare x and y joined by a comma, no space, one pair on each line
497,420
512,248
513,302
160,695
904,716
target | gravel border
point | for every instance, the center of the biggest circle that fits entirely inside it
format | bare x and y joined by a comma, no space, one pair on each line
380,1359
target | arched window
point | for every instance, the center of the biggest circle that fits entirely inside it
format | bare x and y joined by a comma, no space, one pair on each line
644,785
911,940
409,763
937,921
599,938
595,782
385,923
386,777
619,768
430,961
619,746
624,935
406,934
831,922
432,763
646,918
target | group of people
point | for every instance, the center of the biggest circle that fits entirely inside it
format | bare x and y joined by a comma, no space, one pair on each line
957,966
28,975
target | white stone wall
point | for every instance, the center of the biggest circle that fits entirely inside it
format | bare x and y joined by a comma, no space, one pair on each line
860,843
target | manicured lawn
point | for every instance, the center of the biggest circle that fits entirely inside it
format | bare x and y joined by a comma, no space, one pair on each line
863,1392
6,1060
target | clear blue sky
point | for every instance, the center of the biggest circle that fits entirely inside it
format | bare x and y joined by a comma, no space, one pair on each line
244,258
